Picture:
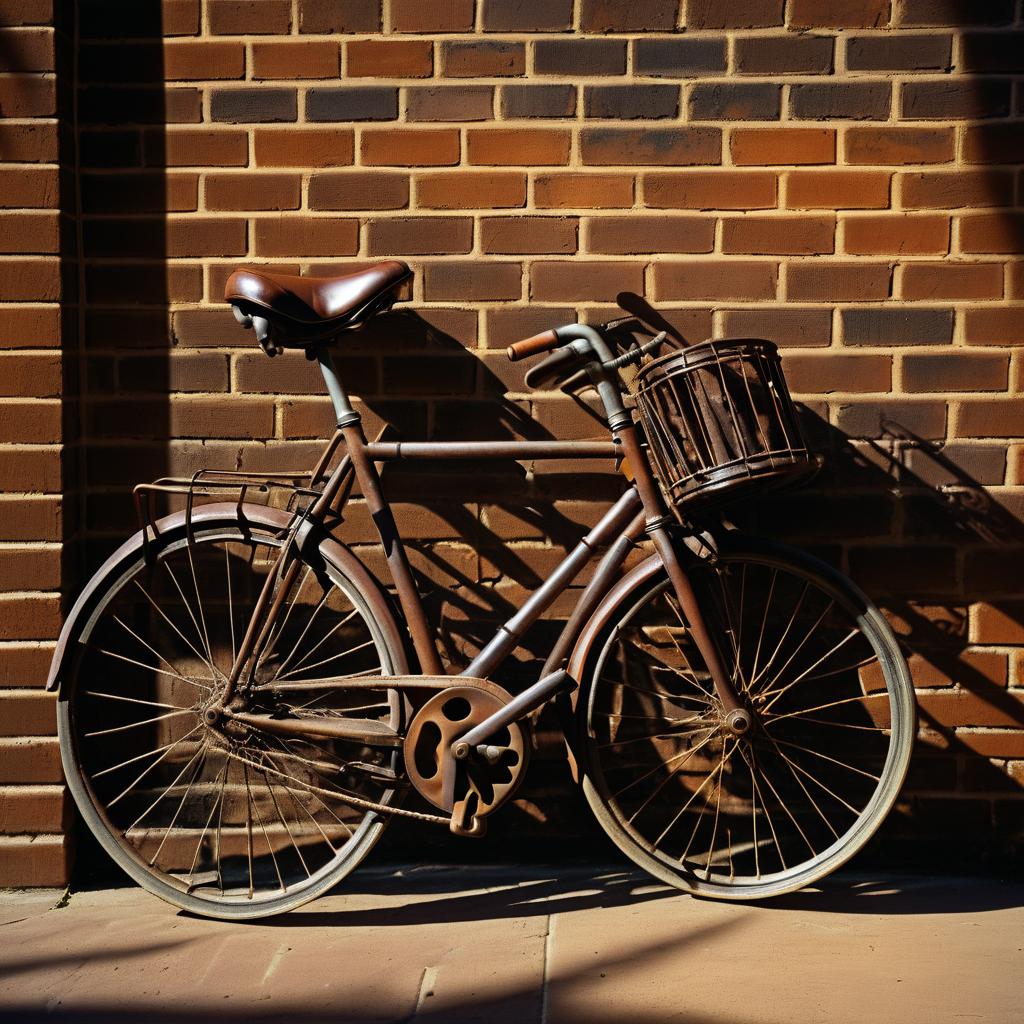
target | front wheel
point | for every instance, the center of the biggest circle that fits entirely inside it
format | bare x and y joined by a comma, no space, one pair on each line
773,810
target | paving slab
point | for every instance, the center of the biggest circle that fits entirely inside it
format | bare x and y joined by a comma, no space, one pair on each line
522,945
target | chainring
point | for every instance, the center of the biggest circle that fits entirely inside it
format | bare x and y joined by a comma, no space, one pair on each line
474,788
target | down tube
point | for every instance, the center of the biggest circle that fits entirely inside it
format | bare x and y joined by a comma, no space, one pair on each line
505,640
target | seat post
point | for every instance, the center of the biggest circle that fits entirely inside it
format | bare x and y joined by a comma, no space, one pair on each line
343,411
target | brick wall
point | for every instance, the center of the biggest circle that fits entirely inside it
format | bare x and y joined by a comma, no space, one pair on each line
843,176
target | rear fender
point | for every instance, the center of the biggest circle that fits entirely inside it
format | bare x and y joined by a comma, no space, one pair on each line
174,526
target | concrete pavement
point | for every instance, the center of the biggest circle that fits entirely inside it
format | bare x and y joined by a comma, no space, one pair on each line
523,945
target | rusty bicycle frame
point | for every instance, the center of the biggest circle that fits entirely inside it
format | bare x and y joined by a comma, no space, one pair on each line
639,510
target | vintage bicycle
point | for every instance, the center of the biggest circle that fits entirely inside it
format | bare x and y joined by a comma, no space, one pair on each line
243,706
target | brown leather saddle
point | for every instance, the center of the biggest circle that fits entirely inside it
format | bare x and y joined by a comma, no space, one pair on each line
295,312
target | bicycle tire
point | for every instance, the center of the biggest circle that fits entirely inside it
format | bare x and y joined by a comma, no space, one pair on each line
872,692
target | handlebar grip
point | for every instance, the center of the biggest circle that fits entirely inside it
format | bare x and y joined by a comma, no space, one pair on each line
533,346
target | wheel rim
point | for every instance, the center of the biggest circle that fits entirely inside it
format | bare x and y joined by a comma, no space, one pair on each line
204,814
798,794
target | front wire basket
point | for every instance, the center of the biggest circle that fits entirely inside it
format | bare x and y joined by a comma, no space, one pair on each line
720,422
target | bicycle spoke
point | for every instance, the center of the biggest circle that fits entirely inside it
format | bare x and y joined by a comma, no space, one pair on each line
789,686
799,648
175,671
164,793
814,803
145,593
231,605
135,725
135,700
188,608
199,606
772,719
206,827
826,757
305,629
782,639
685,755
764,624
181,804
333,657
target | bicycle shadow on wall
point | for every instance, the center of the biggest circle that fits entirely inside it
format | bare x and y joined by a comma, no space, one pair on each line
906,521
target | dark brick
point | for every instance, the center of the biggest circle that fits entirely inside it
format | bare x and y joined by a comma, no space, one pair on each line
538,100
419,236
858,101
899,53
955,12
967,371
887,327
658,146
735,101
679,58
344,16
837,13
247,17
955,98
362,103
483,58
787,327
733,13
359,190
992,51
451,103
866,419
527,15
244,106
631,101
476,281
821,281
638,235
634,16
758,55
579,57
515,236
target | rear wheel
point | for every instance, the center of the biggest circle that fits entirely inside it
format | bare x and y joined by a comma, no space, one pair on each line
767,812
222,820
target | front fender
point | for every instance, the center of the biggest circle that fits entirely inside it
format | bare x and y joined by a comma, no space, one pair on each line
173,526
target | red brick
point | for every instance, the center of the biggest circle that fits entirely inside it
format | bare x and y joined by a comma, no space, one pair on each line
202,147
517,146
994,326
432,15
31,809
306,236
29,49
28,713
305,58
764,236
462,190
30,422
960,707
249,17
28,187
991,418
25,233
28,95
838,14
637,16
569,282
29,326
733,13
992,232
205,236
29,376
572,191
896,234
35,861
30,759
823,373
30,471
941,282
410,147
31,280
718,279
389,58
764,146
837,190
29,143
303,147
710,190
29,616
189,60
993,144
252,191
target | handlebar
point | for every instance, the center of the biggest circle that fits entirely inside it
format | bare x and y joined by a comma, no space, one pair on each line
544,342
